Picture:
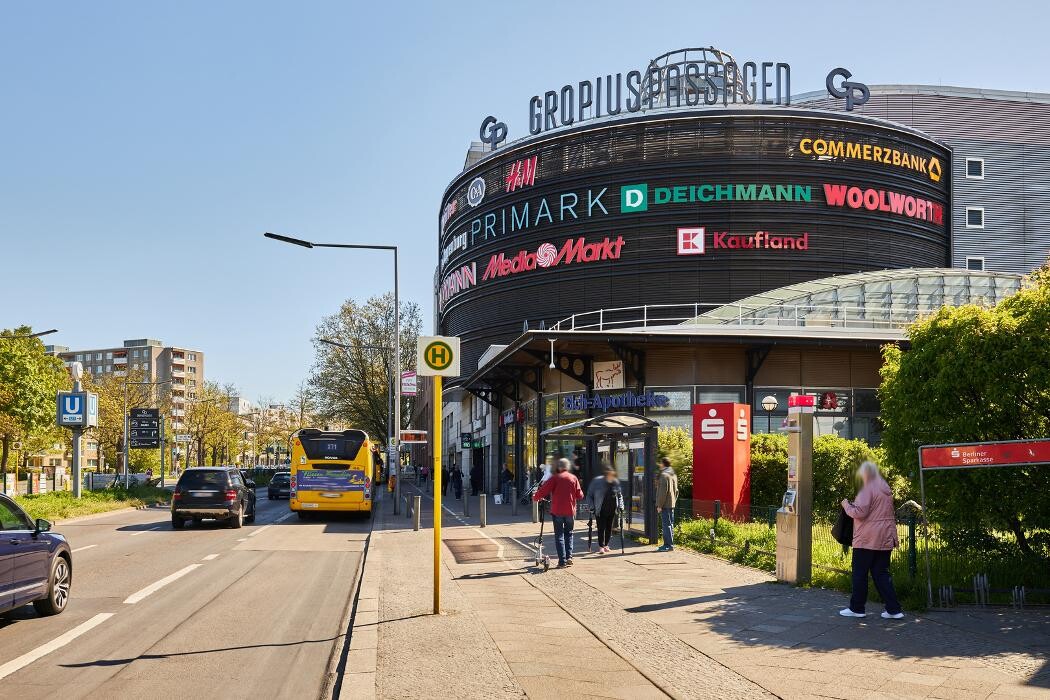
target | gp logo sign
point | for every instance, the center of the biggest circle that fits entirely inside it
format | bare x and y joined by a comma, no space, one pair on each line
855,94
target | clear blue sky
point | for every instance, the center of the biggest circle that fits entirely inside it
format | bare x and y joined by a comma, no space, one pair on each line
146,146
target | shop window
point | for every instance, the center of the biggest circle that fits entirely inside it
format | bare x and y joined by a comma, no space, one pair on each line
974,217
973,263
975,168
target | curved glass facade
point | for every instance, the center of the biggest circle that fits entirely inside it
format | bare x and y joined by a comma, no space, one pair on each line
881,299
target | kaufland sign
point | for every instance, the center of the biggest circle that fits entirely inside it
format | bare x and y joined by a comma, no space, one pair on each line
572,251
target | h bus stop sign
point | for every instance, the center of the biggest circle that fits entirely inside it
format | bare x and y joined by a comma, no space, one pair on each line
437,356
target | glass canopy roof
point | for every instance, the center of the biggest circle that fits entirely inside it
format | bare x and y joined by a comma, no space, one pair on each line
885,298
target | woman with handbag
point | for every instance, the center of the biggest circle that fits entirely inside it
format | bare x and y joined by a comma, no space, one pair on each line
874,538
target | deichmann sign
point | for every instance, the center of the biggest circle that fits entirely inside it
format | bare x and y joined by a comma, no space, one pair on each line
884,200
574,250
635,198
851,150
628,399
1007,453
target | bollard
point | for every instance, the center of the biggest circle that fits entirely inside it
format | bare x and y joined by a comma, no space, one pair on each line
482,512
415,512
513,500
535,511
466,506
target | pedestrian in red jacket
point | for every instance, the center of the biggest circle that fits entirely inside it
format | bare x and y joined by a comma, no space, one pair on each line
565,492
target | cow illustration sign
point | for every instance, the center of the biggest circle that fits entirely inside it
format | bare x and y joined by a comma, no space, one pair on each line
437,356
608,375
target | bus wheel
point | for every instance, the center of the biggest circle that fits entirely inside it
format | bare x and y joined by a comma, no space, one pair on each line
303,515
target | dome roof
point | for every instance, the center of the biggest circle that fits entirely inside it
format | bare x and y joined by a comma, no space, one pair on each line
884,298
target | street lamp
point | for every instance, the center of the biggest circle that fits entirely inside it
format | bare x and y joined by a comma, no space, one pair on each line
769,404
397,337
28,335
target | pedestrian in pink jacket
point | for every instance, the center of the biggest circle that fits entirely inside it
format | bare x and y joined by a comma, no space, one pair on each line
874,538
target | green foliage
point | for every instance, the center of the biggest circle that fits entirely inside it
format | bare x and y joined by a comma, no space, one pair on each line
58,505
676,445
29,382
835,462
974,374
351,385
768,468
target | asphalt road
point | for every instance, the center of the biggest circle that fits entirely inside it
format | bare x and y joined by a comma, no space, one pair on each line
200,612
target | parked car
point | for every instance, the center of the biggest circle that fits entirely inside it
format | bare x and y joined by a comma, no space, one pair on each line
36,565
280,486
219,493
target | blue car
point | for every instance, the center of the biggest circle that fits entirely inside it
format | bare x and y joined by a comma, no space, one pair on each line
36,565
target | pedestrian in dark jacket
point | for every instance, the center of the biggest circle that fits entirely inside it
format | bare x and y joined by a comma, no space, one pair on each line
874,538
565,492
457,482
475,480
666,500
605,499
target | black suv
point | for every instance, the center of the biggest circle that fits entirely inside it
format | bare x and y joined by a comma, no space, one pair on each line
213,492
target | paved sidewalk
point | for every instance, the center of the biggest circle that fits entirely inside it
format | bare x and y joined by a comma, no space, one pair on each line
645,624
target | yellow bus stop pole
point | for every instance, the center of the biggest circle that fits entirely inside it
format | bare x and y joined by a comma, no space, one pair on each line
436,439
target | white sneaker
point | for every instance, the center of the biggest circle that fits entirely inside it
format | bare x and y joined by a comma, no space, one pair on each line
887,616
846,612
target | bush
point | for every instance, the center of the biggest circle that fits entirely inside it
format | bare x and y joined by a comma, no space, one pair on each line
677,446
58,505
835,462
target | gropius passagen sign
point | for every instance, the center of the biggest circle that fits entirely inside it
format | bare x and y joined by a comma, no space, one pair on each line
437,356
1009,453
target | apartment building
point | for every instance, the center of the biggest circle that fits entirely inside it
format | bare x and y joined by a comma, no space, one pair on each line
160,363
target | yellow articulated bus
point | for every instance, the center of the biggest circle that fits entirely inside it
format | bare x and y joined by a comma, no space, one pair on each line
331,472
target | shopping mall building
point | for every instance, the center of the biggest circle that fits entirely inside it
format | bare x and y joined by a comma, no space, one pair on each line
688,233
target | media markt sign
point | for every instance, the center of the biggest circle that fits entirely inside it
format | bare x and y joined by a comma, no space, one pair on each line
437,356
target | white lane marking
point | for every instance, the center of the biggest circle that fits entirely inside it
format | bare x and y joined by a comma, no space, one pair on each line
143,532
242,539
253,533
210,557
157,585
55,644
282,518
87,546
499,547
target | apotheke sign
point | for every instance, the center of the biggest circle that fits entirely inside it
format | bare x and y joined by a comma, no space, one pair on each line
606,402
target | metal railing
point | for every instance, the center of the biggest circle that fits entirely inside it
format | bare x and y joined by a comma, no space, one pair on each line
783,315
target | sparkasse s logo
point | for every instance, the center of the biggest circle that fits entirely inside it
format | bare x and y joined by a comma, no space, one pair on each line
574,250
634,198
712,427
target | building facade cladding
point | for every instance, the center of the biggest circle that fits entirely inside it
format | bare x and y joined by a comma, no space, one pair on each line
732,172
1008,132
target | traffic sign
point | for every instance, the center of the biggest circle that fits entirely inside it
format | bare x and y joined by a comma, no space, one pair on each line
437,356
144,429
183,437
77,409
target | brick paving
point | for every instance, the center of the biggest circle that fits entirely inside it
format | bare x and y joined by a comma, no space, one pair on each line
654,625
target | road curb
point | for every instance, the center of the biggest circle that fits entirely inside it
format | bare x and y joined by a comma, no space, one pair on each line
353,669
95,516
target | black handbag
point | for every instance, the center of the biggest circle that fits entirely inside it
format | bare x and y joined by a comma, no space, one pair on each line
842,531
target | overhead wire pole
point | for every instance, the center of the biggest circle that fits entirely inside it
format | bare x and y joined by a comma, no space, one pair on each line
397,344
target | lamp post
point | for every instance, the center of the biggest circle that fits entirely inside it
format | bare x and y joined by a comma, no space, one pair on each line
397,338
29,335
769,404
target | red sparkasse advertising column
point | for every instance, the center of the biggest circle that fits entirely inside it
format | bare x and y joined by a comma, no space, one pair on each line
722,456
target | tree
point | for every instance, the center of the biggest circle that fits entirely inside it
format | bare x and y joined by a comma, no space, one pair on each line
677,446
29,382
975,374
110,430
351,385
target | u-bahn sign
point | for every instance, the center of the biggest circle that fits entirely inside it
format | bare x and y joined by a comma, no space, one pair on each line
437,356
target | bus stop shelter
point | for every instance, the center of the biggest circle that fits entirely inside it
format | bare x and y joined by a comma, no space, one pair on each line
637,474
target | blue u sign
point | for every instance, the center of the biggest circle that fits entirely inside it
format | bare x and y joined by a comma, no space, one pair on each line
71,409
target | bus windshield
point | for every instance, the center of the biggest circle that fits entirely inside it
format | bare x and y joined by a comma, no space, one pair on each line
341,448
